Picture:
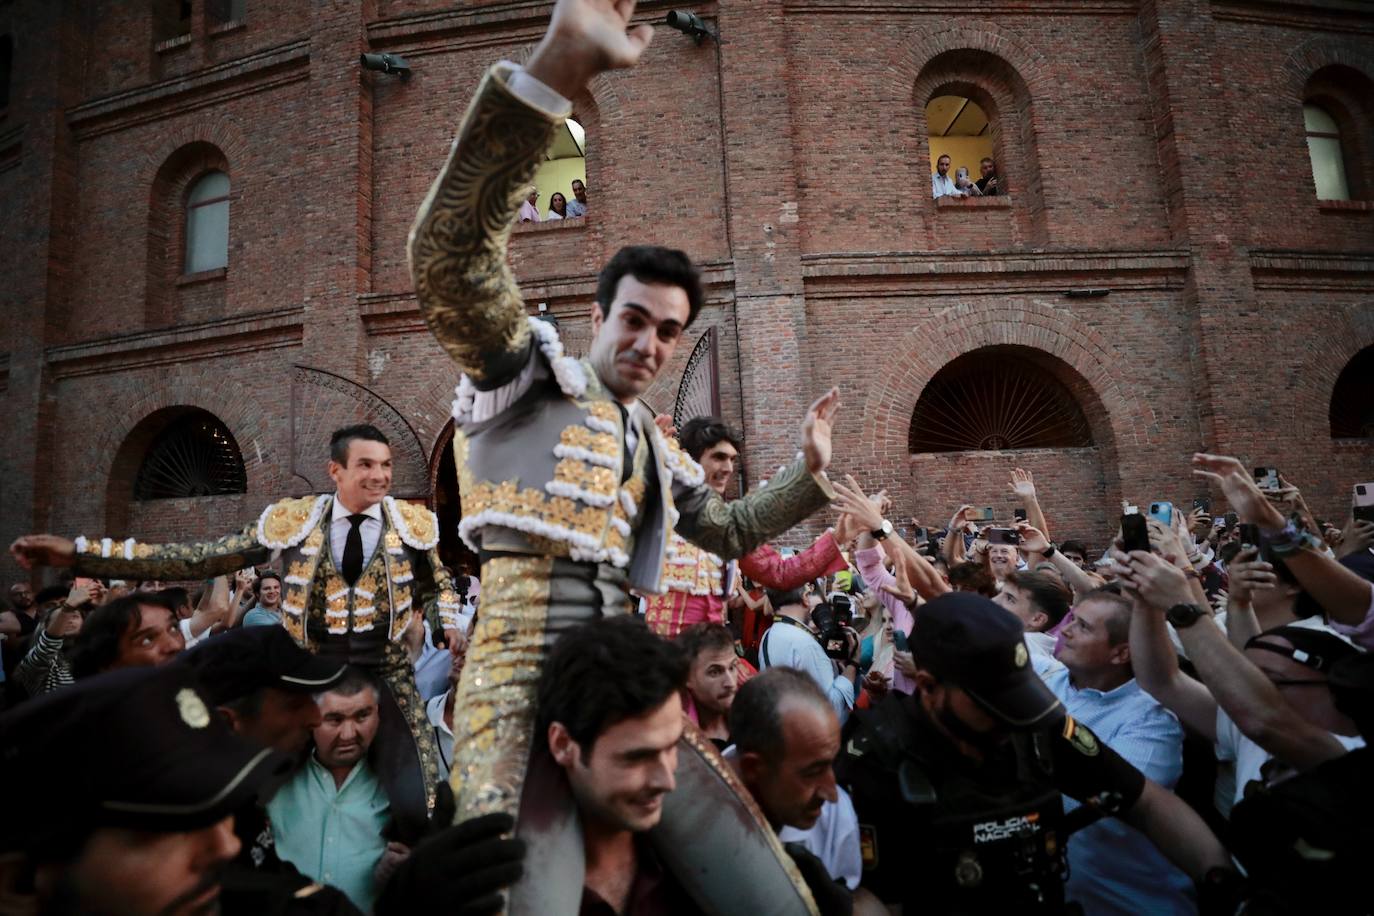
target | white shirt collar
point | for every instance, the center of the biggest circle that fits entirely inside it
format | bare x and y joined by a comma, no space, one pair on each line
374,511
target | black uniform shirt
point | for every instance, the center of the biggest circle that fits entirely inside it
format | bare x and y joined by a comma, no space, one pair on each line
912,789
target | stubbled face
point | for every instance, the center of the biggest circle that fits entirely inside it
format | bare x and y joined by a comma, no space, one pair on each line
284,722
631,766
21,596
153,639
269,592
579,191
1077,559
1018,602
719,462
365,478
1002,558
792,790
987,169
713,680
349,723
133,873
632,344
1084,646
942,165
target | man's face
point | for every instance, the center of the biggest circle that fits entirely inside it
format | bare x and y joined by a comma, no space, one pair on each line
792,789
153,639
1075,558
633,343
21,596
134,873
718,461
349,723
366,476
1084,645
712,680
284,721
987,168
621,783
1002,559
579,191
974,730
1018,602
269,592
942,165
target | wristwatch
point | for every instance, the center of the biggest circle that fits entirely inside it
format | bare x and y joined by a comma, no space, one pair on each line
1183,616
880,534
1050,551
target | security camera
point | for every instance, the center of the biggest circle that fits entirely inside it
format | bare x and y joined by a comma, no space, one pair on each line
394,64
689,23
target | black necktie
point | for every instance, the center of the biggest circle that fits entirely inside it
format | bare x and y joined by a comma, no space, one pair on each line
626,458
353,549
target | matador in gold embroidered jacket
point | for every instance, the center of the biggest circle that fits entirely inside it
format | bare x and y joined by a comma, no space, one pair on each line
569,498
361,624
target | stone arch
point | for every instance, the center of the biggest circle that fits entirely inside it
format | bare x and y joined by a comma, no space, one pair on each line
166,239
1316,367
1338,75
1003,75
1318,54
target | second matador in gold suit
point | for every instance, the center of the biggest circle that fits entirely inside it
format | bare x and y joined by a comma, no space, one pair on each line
569,495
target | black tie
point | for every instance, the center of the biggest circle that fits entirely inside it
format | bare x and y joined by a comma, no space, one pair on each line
627,458
353,549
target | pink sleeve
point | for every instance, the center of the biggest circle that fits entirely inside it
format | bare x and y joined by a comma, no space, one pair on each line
1362,633
870,564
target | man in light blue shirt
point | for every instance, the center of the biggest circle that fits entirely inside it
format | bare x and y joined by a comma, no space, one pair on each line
791,642
328,818
267,612
1114,868
941,185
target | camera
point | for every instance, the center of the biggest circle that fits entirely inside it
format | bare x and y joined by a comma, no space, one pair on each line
829,618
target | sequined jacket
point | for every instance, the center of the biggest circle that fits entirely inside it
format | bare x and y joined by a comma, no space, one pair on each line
548,475
404,574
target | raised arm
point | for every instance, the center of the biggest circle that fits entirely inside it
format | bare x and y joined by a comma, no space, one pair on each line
1023,486
107,558
772,570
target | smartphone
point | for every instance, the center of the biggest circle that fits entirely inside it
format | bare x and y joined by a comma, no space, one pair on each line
980,515
1249,535
1019,514
1002,535
899,641
922,536
1163,512
1204,503
1135,534
1131,510
1363,505
1267,478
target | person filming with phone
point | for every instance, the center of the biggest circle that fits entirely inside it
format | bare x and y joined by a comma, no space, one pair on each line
830,655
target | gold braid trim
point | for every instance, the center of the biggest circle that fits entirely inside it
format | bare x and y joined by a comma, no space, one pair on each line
466,291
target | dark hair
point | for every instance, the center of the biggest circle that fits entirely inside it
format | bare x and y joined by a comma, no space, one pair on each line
780,598
342,438
1227,552
96,647
1045,593
704,637
1072,546
173,598
51,593
354,681
650,264
700,433
756,713
265,574
987,159
604,672
969,576
1118,624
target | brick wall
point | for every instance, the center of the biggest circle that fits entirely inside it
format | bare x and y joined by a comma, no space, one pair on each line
1154,150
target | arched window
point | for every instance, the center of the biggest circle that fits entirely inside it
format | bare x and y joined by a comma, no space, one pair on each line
1328,157
1352,400
997,398
959,129
207,223
194,455
564,169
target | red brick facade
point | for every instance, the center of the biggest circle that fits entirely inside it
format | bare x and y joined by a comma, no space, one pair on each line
1155,150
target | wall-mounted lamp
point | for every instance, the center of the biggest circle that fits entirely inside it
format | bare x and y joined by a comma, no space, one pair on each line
689,23
394,64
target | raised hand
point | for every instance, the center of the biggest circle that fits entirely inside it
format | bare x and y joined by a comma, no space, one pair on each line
1032,539
1249,502
850,500
1248,574
1158,582
816,431
584,38
665,425
901,589
43,550
1022,483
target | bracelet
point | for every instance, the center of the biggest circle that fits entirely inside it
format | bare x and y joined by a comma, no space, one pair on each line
1293,538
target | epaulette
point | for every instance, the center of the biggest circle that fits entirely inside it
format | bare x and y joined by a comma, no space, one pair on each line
417,526
286,523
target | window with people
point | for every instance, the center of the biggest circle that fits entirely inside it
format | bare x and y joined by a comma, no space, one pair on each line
961,149
559,190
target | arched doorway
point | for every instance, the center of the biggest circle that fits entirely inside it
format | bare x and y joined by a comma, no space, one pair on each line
448,507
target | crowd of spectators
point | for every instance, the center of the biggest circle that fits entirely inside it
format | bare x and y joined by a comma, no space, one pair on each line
961,185
560,207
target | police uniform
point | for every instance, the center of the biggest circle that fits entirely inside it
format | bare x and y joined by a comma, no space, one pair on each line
942,832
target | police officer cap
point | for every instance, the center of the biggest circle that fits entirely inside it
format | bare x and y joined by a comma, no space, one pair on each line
137,748
241,661
967,640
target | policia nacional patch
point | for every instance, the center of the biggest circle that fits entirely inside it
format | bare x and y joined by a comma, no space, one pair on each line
1083,740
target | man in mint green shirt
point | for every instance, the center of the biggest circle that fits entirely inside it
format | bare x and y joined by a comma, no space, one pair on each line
328,818
267,612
